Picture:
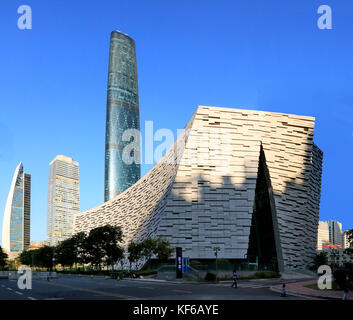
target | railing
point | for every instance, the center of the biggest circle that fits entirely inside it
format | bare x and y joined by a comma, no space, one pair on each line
14,275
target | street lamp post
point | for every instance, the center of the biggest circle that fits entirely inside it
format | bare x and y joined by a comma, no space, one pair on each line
216,249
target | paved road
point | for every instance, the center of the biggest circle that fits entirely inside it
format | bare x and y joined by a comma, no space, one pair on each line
67,288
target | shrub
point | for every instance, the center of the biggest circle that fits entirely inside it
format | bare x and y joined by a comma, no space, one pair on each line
146,272
340,276
266,275
210,276
225,278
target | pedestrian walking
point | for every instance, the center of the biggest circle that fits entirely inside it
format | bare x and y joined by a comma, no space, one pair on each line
346,294
284,293
235,279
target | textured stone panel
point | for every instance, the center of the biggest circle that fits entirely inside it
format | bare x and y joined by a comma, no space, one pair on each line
207,198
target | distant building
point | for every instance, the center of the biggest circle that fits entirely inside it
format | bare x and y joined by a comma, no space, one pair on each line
38,244
122,114
345,242
323,235
63,198
16,224
329,235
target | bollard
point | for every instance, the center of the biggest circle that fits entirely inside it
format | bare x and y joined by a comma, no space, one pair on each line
283,294
346,294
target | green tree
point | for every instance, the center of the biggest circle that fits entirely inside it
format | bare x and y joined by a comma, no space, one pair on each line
102,245
320,259
26,257
148,249
162,249
3,258
44,257
135,252
114,253
80,242
65,252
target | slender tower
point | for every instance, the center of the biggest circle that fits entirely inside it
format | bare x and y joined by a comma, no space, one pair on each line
122,114
16,225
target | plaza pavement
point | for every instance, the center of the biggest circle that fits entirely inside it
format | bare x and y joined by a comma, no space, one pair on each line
299,288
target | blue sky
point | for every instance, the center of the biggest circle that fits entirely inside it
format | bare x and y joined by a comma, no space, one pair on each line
266,55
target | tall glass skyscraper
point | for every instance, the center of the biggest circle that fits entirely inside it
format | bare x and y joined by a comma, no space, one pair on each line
63,198
16,224
122,114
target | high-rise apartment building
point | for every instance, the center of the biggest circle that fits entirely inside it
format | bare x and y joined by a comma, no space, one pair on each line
329,235
323,235
63,198
335,229
122,114
16,224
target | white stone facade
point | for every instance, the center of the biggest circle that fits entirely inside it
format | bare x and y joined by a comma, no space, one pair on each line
206,198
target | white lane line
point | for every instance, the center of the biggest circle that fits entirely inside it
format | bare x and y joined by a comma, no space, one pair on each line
31,298
9,289
20,293
181,291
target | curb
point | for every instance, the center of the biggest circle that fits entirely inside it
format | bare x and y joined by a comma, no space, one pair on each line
303,295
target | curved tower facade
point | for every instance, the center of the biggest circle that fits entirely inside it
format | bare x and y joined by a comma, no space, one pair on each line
16,224
122,115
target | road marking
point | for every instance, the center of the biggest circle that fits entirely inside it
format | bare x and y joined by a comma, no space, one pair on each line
10,289
31,298
182,291
145,287
20,293
102,293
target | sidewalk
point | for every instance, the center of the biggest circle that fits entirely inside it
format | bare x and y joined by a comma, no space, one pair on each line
299,288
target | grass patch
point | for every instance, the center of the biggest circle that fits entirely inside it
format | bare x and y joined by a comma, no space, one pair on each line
146,272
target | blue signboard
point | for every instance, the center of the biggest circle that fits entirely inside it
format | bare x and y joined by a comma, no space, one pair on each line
186,268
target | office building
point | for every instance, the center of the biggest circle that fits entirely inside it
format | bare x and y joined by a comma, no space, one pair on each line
16,223
345,242
247,182
323,235
329,235
122,115
63,198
